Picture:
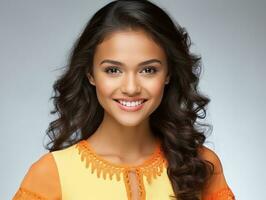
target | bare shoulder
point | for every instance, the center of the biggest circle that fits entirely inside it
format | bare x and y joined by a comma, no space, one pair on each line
211,156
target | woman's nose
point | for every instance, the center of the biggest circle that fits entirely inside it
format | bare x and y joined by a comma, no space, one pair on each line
130,85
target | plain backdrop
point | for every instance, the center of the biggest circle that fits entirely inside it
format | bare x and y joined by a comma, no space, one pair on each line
36,37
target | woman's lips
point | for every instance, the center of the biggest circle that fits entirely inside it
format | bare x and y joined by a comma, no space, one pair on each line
132,108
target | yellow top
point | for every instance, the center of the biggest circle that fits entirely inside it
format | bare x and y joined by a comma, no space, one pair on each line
79,173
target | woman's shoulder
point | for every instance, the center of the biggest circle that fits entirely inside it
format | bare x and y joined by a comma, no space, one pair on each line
216,187
211,156
41,180
44,165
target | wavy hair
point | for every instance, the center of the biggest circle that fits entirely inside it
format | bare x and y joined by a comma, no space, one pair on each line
175,121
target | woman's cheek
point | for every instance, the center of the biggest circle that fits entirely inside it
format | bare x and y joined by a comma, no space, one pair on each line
155,87
105,88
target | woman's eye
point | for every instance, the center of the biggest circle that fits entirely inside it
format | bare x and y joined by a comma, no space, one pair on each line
149,70
112,69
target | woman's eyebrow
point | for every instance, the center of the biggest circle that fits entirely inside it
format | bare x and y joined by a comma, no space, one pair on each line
114,62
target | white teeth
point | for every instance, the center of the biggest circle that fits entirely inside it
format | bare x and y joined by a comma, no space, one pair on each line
131,104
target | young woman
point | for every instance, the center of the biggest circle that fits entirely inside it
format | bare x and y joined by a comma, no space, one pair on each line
128,104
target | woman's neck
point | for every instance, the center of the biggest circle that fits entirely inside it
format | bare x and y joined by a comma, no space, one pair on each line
124,142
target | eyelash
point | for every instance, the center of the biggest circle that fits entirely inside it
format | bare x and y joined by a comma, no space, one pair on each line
116,68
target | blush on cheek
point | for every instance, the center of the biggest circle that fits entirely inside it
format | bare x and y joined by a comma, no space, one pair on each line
155,90
155,87
105,87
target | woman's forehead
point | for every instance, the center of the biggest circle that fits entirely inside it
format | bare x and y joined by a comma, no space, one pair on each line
129,44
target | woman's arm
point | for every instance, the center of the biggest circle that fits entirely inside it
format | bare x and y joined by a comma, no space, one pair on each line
41,181
216,187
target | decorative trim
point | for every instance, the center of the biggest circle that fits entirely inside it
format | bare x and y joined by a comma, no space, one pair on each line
150,168
222,194
225,193
25,194
127,185
142,193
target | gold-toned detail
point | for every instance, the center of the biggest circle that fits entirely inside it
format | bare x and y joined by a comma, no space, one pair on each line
151,168
25,194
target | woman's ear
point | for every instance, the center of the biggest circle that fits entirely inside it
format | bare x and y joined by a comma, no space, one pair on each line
91,79
167,79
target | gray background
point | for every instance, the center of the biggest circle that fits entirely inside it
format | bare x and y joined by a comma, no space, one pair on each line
36,37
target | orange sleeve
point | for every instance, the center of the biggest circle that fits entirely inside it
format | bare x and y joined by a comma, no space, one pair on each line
216,187
41,181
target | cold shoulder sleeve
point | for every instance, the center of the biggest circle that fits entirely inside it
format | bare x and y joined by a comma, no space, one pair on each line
41,181
216,187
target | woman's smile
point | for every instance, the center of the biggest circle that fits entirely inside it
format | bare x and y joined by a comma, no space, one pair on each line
130,106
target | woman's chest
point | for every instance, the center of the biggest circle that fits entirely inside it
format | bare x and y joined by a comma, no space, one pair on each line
84,176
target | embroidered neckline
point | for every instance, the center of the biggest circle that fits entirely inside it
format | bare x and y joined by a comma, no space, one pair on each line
151,167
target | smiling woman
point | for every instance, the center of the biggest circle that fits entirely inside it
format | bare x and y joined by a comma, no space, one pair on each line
127,105
129,72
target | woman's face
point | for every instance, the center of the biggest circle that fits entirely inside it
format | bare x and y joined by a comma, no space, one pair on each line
129,65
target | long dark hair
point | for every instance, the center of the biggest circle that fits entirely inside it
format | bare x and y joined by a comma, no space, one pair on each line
175,121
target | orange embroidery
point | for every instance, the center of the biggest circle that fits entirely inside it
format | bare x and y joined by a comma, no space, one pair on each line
151,168
141,188
225,194
25,194
127,184
222,194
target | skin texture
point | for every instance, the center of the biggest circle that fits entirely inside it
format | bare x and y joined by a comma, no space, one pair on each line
126,136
